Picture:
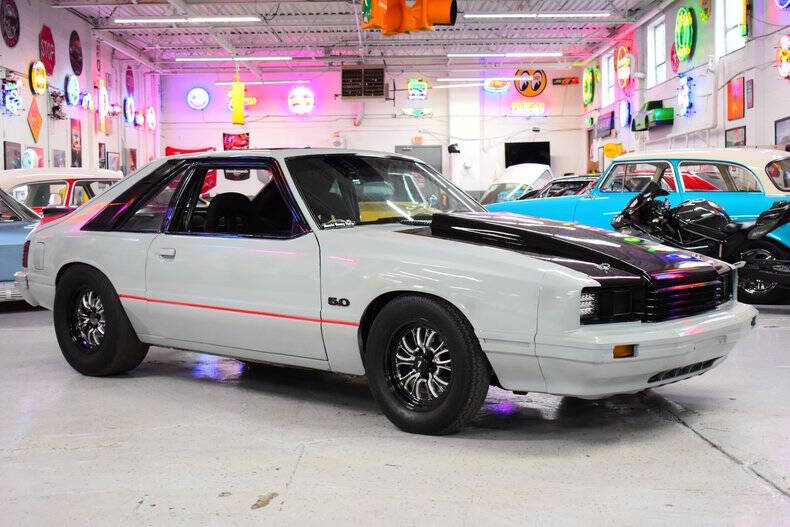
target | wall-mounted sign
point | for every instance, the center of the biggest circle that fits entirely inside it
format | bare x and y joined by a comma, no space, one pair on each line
685,33
565,81
783,57
129,80
34,120
625,113
12,99
704,9
128,110
72,90
735,137
674,62
528,108
496,86
604,125
115,110
685,102
57,106
653,114
139,119
237,101
198,98
612,150
9,22
87,102
782,4
589,121
46,49
749,89
75,53
301,100
588,86
38,78
624,64
417,112
532,82
418,89
150,118
104,106
735,99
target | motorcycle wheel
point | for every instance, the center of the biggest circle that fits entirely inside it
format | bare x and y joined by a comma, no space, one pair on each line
759,291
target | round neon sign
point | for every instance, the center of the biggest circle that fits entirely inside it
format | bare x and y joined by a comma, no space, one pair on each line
198,98
128,110
72,90
150,118
624,61
782,4
38,78
685,33
588,86
783,57
301,100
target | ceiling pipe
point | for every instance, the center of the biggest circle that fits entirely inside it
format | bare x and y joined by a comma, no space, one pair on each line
125,49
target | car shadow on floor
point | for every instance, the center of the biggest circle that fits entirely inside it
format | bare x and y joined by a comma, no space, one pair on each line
526,416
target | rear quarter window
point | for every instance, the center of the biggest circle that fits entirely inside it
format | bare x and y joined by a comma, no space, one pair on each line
779,173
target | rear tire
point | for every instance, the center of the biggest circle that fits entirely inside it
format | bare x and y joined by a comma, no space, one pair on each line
754,291
425,366
92,328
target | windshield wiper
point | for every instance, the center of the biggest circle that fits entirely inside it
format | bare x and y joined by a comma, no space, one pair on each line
338,224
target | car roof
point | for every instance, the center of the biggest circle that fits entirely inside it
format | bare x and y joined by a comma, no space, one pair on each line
746,156
282,153
11,178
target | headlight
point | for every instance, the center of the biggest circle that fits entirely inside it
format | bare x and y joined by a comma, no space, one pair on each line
588,305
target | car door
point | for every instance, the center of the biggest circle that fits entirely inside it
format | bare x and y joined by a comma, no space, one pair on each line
732,186
234,271
622,182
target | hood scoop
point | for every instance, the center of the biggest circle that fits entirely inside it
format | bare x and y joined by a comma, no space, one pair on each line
541,237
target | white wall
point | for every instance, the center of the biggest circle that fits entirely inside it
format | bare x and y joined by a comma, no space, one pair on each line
55,134
477,121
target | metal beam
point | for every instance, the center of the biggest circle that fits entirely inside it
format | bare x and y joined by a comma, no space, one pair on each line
124,48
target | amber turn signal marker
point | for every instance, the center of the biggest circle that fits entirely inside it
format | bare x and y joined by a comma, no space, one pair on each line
622,351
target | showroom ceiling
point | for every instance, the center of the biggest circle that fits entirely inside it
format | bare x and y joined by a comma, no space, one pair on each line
322,35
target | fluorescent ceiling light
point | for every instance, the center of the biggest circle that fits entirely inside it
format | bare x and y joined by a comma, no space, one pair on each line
187,20
233,59
471,85
537,15
478,79
517,54
260,83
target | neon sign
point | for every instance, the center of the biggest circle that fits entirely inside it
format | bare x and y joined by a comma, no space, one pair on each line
625,113
496,86
150,118
417,112
588,86
128,109
12,100
624,62
782,4
418,89
685,33
198,98
87,102
72,90
301,100
139,119
528,108
783,56
104,106
685,103
38,78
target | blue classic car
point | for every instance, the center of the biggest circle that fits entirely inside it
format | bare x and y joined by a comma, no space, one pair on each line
16,222
745,182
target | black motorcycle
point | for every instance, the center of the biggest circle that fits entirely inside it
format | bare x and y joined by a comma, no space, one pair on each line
703,226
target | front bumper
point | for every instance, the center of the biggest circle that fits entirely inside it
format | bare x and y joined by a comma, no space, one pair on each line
22,287
580,362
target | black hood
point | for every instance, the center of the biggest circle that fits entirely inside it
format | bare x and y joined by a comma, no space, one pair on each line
605,256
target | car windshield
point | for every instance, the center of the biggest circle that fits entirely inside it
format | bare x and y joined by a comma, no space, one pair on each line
12,210
41,194
369,189
779,172
499,192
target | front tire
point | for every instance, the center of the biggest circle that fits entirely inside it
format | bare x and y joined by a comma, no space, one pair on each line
759,291
92,328
425,366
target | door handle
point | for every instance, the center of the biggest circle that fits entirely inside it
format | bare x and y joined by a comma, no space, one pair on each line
167,253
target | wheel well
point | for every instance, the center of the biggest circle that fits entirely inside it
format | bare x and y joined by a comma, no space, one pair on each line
63,269
378,304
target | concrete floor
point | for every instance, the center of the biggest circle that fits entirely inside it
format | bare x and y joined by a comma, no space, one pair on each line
196,440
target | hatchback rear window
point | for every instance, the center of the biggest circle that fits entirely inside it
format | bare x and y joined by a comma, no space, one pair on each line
779,172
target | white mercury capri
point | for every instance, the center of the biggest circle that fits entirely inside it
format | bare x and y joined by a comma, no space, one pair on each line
366,263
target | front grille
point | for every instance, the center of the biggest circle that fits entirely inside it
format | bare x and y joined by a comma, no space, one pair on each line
685,370
685,300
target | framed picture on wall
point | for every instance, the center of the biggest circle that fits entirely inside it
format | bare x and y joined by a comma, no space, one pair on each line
735,137
131,160
58,158
76,143
102,155
750,94
735,99
114,161
782,132
13,155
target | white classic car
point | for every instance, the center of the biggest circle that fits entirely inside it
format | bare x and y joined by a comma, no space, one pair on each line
366,263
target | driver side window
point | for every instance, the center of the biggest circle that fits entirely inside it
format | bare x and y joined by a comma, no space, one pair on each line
634,177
